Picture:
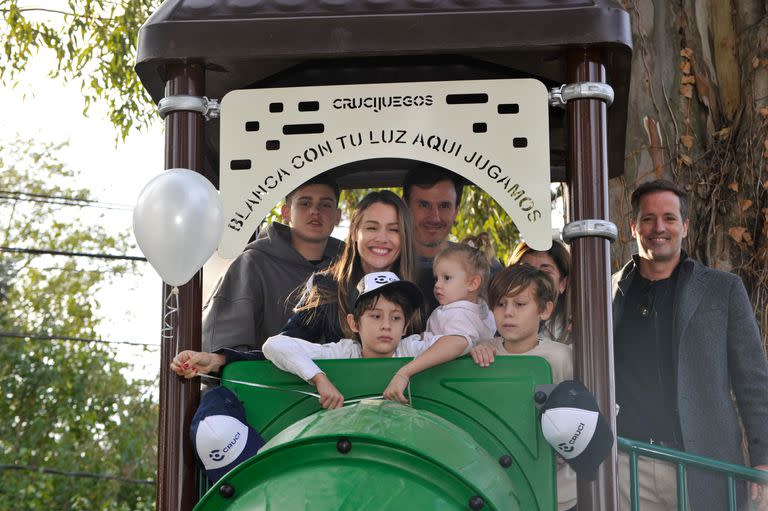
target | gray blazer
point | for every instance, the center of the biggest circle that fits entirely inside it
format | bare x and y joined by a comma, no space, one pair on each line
720,354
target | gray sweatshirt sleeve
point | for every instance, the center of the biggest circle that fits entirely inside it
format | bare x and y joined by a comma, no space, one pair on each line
233,316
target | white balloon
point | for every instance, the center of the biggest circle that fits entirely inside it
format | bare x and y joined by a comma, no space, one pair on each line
178,222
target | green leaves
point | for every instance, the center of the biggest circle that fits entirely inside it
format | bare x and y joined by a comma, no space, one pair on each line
66,404
478,213
93,43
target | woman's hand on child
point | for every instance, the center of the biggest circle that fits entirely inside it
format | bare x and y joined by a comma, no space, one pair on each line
394,391
190,363
483,354
330,397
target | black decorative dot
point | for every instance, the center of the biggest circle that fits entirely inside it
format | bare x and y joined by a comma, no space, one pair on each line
505,461
343,445
476,502
227,491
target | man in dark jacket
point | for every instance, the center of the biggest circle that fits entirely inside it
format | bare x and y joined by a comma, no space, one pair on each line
685,338
255,297
433,196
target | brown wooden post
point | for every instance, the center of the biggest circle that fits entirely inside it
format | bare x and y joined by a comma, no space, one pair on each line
590,275
176,473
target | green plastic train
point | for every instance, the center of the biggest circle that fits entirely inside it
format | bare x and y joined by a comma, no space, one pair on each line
470,440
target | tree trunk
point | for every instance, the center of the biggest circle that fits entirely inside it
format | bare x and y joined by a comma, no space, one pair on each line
699,116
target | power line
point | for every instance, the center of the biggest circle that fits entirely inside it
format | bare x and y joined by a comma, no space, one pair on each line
48,196
70,270
61,199
63,203
38,251
88,475
37,337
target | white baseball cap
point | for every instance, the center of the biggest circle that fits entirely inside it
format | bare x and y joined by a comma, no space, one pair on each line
378,281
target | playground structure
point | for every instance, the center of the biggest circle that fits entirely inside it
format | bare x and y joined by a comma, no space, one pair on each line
578,53
470,438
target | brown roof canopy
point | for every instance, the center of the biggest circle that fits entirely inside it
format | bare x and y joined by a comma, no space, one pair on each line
273,43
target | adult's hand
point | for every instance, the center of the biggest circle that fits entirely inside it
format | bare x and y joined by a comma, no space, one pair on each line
190,363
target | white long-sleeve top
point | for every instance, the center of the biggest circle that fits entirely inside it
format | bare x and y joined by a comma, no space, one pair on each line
473,321
297,355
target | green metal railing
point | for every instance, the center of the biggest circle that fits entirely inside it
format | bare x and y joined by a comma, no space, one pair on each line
683,461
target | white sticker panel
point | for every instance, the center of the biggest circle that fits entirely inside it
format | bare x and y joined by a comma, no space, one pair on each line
495,133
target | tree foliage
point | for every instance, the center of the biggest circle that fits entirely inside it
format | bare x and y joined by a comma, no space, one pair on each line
66,405
479,212
93,43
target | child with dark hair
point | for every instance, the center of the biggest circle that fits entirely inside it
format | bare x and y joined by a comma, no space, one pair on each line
521,298
380,316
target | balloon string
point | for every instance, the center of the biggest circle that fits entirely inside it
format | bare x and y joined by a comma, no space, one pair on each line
172,309
283,389
303,392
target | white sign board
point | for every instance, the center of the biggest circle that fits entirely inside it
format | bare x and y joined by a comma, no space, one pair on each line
495,133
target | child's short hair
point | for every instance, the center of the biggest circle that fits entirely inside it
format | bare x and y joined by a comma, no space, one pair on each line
514,279
395,296
475,254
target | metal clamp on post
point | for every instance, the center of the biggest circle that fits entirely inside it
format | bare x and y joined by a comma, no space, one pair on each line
559,96
586,228
208,107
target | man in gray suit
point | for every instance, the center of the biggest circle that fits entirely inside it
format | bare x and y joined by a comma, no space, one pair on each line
685,338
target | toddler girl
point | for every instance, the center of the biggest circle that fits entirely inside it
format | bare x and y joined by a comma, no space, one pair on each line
462,272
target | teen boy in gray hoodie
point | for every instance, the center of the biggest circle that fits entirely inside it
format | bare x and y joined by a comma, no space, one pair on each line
254,299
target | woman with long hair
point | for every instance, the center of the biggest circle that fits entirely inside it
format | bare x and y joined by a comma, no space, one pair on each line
555,262
380,239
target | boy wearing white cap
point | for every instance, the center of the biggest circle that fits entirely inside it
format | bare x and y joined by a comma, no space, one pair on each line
381,313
